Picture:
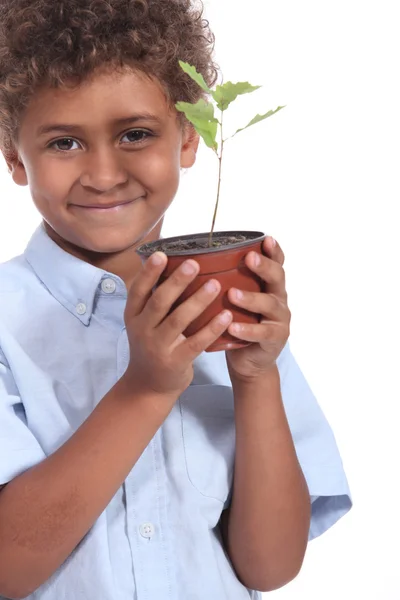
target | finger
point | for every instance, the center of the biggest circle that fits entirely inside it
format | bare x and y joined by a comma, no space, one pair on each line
144,282
180,319
267,305
270,271
273,250
264,332
200,341
162,299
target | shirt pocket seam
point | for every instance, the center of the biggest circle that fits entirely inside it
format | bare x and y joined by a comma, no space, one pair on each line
184,434
186,459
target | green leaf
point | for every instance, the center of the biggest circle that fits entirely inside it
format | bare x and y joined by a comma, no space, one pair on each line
201,115
197,77
225,94
259,118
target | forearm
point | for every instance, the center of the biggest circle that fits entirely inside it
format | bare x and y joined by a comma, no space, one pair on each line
45,512
269,519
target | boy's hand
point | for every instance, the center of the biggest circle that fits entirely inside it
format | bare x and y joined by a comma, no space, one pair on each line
161,356
271,335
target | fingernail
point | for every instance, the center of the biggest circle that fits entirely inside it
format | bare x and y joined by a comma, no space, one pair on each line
189,267
157,258
256,259
239,294
225,317
273,241
211,286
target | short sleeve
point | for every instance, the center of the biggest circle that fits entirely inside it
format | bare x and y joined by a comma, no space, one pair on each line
316,448
19,449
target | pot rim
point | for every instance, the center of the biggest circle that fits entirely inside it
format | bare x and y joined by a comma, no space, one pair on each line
145,250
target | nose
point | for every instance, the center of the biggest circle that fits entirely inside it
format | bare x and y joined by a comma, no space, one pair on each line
103,171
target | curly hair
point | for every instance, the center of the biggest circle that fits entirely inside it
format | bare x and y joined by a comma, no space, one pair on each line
63,42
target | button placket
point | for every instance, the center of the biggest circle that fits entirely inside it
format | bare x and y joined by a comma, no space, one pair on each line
147,521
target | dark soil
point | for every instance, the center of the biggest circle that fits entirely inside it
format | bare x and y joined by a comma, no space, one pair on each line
182,245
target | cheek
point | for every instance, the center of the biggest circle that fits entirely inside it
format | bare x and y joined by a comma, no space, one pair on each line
48,198
48,182
161,173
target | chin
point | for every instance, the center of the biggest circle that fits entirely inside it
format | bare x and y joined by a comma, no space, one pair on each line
109,244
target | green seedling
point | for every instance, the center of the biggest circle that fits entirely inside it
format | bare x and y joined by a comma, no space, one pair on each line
202,116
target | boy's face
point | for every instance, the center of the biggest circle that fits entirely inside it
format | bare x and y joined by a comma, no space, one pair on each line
103,160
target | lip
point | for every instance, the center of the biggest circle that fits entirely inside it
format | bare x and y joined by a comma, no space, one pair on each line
112,206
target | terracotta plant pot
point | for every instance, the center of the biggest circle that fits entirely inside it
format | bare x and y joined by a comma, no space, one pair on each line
224,261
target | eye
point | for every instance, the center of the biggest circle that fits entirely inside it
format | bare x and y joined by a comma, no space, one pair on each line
64,144
136,136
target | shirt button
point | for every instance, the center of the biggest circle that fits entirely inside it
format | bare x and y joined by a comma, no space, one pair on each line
108,286
147,530
81,309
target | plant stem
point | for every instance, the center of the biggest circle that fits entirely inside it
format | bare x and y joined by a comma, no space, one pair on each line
219,180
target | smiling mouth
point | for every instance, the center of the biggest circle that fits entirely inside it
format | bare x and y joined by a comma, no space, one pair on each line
105,207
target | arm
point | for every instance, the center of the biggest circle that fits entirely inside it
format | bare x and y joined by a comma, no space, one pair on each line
266,528
72,488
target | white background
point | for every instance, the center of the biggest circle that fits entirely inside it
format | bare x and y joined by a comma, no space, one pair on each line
322,176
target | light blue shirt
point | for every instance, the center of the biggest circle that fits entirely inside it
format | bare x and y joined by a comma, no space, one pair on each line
63,346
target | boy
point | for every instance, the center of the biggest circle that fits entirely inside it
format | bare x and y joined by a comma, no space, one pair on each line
133,464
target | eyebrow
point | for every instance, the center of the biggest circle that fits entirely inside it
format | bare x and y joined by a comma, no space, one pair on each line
73,128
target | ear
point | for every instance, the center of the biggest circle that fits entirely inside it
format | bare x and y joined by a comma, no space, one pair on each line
16,167
190,146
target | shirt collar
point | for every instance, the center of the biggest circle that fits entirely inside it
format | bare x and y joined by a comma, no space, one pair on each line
73,282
